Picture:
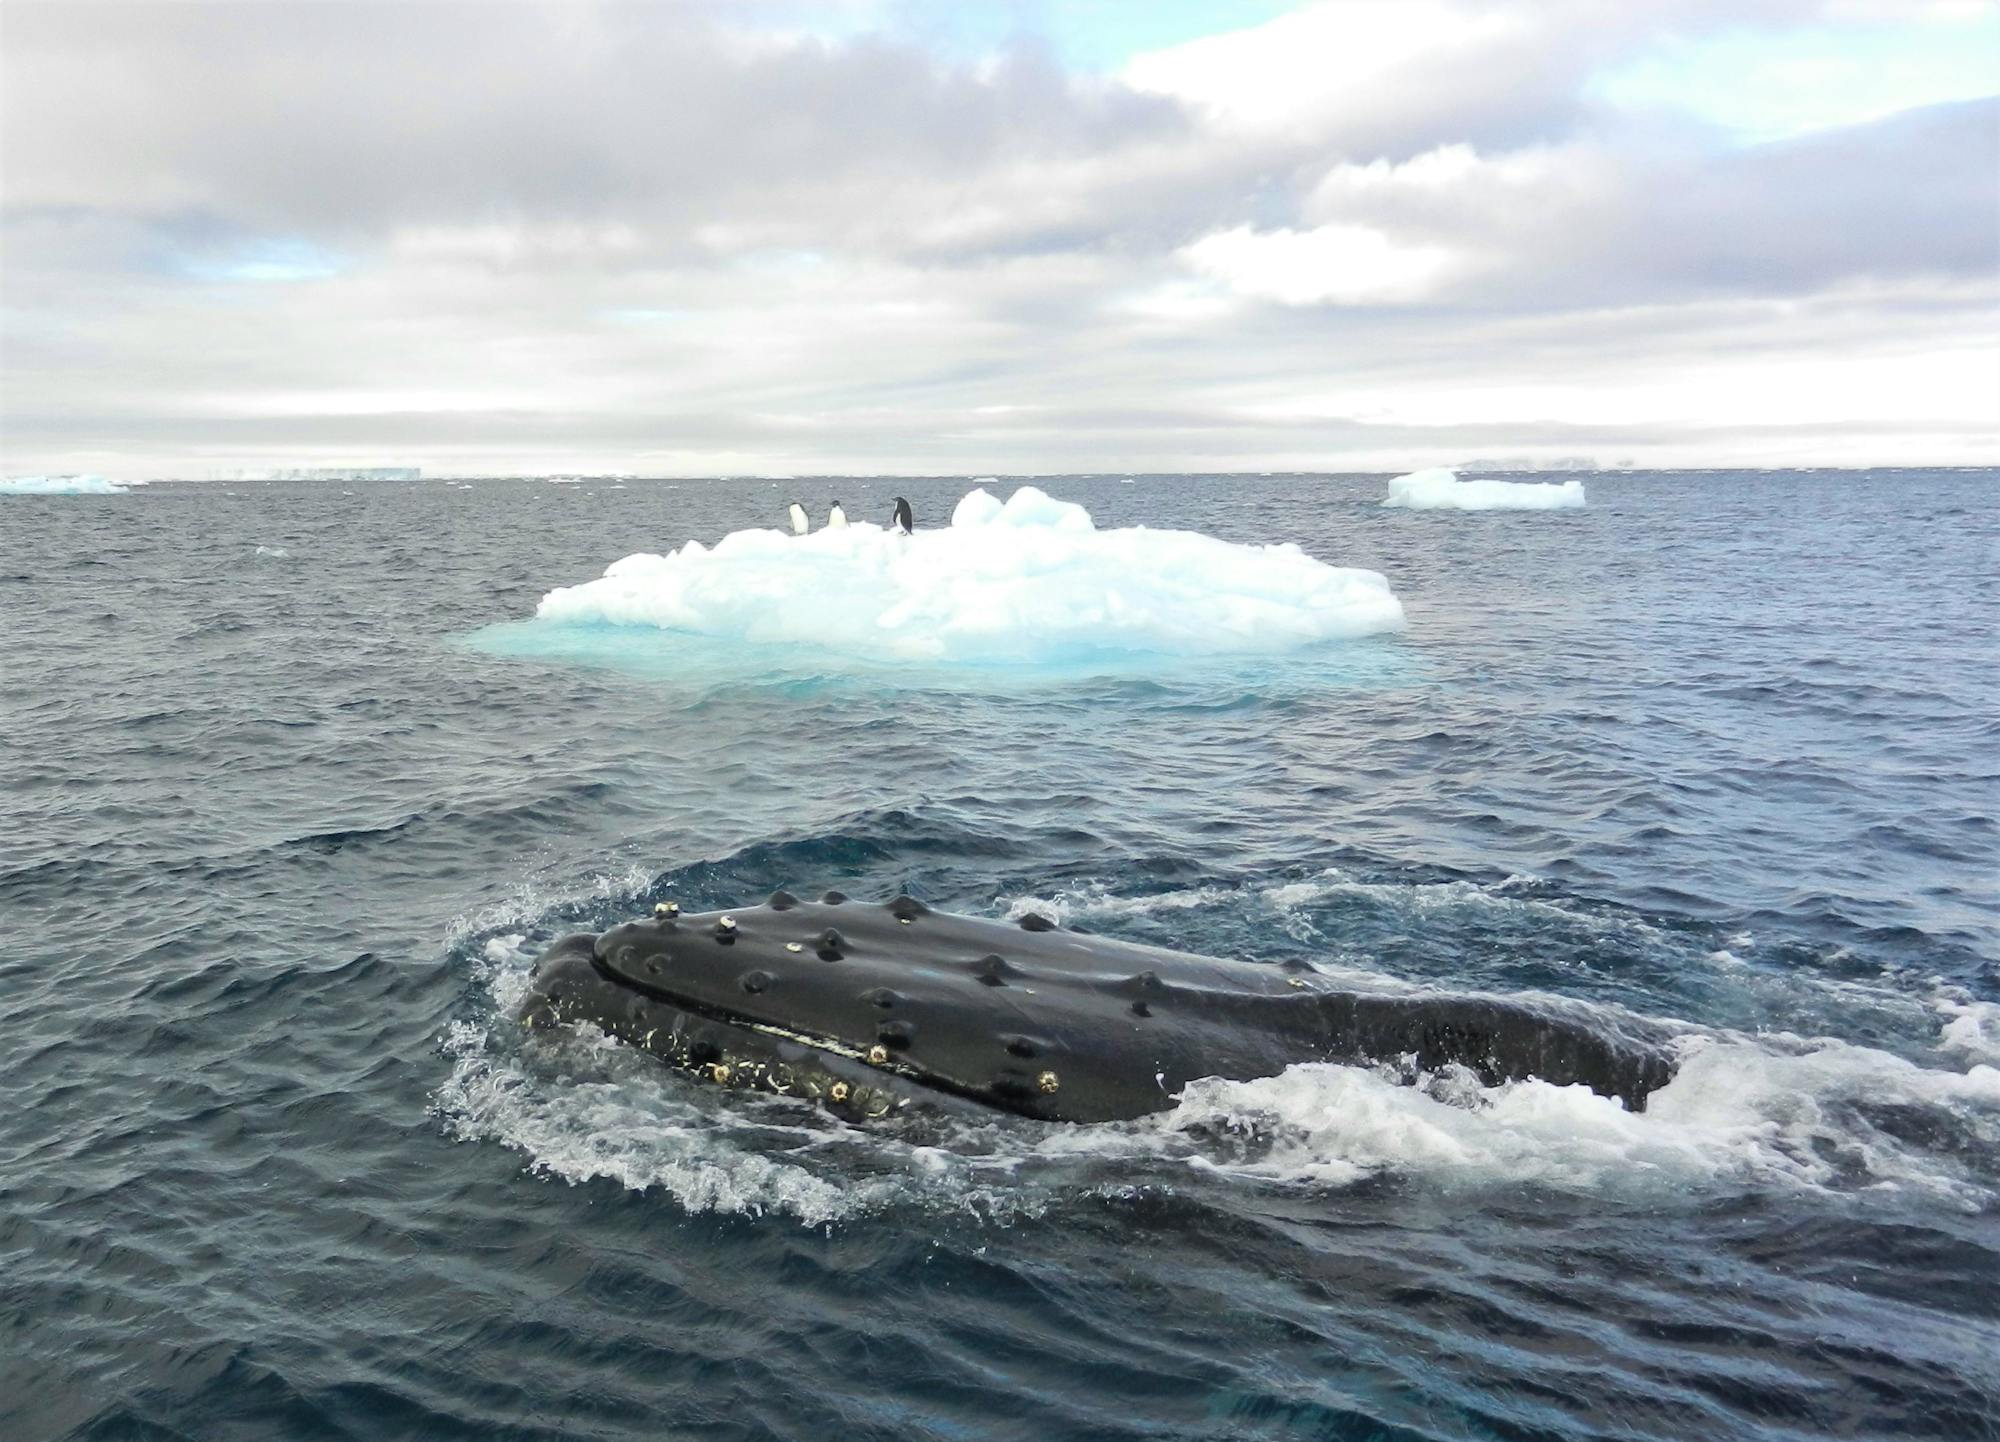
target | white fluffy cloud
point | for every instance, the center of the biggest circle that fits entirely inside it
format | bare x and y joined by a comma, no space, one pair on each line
1335,263
674,238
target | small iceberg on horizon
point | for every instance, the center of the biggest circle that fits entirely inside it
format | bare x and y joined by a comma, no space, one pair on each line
62,486
1032,581
1440,489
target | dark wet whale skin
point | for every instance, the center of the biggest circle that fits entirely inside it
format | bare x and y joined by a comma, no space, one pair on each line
868,1008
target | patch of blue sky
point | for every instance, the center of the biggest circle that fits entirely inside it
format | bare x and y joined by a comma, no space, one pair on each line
1087,36
266,260
1765,84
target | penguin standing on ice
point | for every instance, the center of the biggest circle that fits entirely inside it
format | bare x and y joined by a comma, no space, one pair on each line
800,525
903,520
836,519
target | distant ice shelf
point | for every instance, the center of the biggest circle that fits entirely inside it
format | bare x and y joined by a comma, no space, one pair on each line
62,486
329,473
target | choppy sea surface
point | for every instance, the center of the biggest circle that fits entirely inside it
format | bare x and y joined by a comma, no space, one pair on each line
290,798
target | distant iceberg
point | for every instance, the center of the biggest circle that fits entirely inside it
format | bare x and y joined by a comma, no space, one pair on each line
60,486
1030,581
1440,489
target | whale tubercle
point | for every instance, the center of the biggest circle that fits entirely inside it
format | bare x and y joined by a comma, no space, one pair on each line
993,969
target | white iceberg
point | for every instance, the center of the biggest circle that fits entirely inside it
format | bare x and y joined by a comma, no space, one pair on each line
1440,489
60,486
1031,581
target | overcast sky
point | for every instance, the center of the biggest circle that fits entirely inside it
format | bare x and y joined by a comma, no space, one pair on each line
787,238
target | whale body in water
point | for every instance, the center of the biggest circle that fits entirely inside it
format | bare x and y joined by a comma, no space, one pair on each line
871,1008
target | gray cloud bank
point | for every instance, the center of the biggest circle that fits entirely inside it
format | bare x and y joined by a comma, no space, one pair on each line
663,239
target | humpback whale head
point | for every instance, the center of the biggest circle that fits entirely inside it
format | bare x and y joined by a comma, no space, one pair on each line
864,1007
869,1007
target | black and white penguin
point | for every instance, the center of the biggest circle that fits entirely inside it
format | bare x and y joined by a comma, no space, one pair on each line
800,525
903,520
836,519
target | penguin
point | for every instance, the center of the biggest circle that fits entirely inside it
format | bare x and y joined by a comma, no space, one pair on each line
800,525
903,520
836,519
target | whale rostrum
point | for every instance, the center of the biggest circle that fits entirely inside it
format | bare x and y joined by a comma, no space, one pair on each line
869,1008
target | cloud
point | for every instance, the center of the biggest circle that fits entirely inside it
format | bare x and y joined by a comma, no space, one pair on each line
1608,220
1347,264
354,118
1357,66
737,237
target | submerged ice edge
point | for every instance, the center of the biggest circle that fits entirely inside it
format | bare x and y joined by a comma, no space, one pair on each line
1029,581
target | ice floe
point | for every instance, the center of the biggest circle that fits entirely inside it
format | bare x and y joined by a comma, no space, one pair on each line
61,486
1440,489
1030,580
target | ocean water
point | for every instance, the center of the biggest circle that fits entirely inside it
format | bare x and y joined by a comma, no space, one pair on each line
293,790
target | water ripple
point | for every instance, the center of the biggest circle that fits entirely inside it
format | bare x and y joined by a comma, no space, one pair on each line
281,842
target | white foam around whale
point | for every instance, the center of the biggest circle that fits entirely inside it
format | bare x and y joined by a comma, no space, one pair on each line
1029,581
1971,1029
1440,489
1769,1113
1779,1111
